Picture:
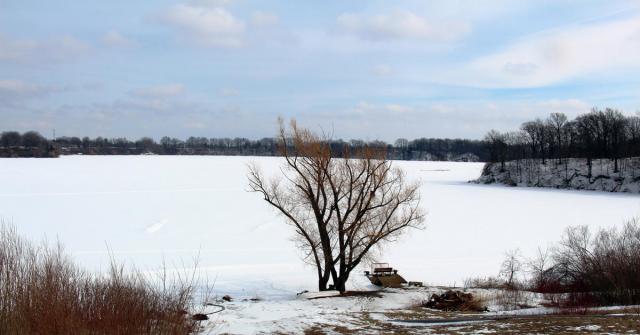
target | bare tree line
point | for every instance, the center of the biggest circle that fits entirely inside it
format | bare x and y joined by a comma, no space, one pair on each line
599,134
13,143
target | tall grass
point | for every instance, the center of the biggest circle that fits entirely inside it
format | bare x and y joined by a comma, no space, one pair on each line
43,292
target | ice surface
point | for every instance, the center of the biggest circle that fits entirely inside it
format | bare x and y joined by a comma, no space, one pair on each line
150,208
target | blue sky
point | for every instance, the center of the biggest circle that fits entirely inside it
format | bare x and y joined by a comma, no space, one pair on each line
359,69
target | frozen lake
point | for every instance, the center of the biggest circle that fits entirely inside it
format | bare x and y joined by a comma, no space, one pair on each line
150,208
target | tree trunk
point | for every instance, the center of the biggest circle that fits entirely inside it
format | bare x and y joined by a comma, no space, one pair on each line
324,279
341,280
341,284
322,284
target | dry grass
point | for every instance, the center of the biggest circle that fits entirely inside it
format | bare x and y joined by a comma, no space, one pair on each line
43,292
477,304
539,324
484,283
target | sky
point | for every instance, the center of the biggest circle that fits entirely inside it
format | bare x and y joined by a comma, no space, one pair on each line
374,70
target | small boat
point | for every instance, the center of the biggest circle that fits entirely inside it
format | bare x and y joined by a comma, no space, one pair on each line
382,274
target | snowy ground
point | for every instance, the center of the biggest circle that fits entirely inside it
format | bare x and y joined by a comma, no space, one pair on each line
150,208
397,311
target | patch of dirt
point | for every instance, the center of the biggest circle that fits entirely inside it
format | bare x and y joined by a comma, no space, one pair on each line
374,294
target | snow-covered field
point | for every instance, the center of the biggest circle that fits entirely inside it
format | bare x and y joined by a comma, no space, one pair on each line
146,208
149,208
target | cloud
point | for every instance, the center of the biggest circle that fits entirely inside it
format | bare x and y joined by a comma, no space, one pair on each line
571,107
382,70
400,25
452,119
227,92
211,3
17,104
396,108
115,39
206,25
365,108
555,56
19,89
194,125
160,91
57,49
264,19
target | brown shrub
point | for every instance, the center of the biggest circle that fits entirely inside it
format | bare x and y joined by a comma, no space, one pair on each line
484,283
43,292
597,270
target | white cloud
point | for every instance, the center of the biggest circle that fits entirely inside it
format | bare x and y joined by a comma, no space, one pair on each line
365,108
264,19
382,70
571,107
563,54
160,91
195,125
62,48
66,45
396,108
211,3
16,88
228,92
14,49
400,24
206,25
465,119
117,40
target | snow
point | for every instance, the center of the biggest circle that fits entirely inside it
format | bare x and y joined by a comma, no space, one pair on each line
150,209
146,208
585,328
295,315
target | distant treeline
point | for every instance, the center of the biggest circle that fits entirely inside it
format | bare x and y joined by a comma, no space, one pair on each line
32,144
599,134
28,144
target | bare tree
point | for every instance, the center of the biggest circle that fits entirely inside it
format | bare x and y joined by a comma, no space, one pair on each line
616,126
511,267
497,147
557,122
537,267
341,209
633,131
